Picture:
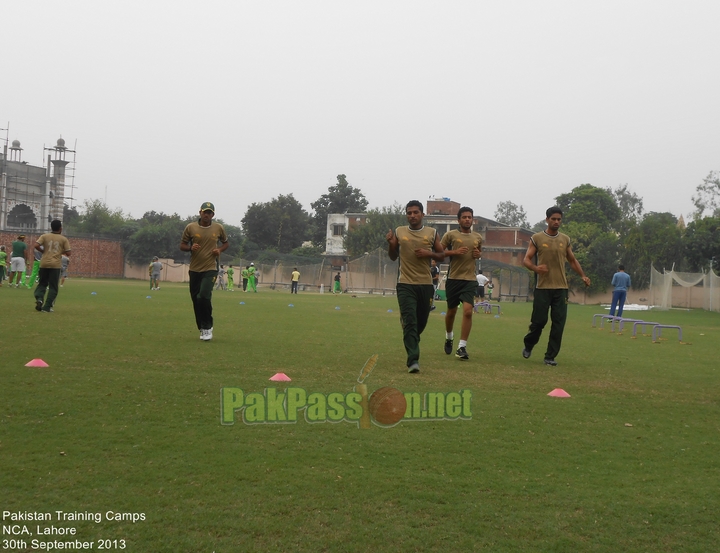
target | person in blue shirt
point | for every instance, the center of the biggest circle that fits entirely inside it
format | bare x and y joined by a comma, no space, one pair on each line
621,282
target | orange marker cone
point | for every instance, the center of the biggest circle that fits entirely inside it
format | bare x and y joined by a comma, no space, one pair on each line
280,377
559,392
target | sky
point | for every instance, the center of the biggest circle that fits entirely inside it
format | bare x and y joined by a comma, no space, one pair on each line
169,104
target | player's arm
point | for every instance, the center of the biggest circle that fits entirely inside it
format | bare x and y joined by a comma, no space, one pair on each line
437,253
185,245
529,257
575,264
38,246
453,253
224,246
446,245
477,252
393,245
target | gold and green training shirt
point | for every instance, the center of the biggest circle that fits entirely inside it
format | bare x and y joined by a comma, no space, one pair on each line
208,237
413,269
462,267
55,245
551,251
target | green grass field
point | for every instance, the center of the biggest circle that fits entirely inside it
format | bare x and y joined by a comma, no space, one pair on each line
126,419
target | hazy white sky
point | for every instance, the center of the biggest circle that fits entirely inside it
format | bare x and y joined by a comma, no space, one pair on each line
174,103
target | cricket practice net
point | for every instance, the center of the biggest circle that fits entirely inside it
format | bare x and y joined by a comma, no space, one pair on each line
678,289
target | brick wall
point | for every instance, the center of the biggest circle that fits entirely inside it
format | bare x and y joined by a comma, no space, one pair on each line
91,257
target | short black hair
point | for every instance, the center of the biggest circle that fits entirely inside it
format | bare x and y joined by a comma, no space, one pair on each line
415,203
56,225
552,211
621,267
463,210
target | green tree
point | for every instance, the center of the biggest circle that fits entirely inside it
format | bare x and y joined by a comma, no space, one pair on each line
629,203
540,226
161,239
589,204
371,235
236,239
155,218
596,250
589,217
280,224
702,243
97,218
511,214
656,240
340,198
707,196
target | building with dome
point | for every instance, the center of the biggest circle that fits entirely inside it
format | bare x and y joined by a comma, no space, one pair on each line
32,196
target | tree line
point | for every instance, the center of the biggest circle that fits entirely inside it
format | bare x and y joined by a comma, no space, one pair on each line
607,227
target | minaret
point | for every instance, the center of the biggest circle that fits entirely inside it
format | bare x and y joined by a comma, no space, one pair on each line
15,155
58,192
16,151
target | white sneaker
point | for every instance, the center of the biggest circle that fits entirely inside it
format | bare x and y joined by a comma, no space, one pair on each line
208,334
202,333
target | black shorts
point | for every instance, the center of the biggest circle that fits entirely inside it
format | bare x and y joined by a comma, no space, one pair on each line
460,291
480,292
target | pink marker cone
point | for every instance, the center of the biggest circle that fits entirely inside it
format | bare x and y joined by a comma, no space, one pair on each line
559,392
37,363
280,377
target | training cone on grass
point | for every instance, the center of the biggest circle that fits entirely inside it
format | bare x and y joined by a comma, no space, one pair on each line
280,377
559,392
37,363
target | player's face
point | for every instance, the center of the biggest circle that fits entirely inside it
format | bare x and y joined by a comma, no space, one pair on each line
554,221
414,217
466,220
206,217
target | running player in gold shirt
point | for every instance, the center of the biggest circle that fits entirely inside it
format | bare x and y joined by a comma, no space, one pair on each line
415,245
464,247
546,256
53,246
201,240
